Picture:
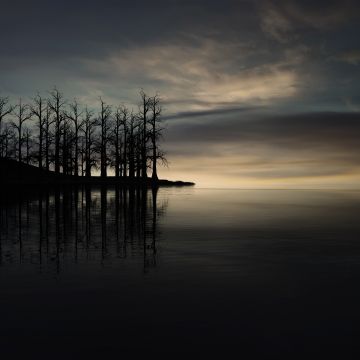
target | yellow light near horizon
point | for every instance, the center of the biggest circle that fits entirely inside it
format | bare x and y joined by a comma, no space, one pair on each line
219,177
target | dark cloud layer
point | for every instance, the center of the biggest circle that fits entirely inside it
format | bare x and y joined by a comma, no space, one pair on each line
291,130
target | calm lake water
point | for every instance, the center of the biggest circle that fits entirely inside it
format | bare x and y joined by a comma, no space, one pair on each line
107,272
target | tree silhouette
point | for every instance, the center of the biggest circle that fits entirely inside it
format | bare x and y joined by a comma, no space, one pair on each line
38,110
22,114
5,109
7,138
124,121
155,133
75,115
132,129
48,121
117,141
66,143
28,144
88,129
104,123
69,139
56,104
144,108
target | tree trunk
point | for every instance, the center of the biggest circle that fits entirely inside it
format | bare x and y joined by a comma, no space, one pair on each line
40,146
154,161
125,157
76,163
57,147
20,143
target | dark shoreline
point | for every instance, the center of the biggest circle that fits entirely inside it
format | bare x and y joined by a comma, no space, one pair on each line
14,174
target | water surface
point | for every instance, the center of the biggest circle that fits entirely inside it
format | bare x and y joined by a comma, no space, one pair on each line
106,272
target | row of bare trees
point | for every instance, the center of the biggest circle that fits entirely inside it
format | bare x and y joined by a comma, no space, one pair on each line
75,140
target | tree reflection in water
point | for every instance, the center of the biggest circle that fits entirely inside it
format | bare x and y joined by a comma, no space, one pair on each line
80,224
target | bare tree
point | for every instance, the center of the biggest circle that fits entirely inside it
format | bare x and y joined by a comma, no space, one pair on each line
21,114
7,138
88,129
38,109
144,108
75,115
155,133
121,140
138,150
104,123
66,145
117,141
28,144
132,128
124,122
82,155
56,104
48,136
5,109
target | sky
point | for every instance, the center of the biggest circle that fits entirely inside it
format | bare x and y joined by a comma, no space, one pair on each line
256,94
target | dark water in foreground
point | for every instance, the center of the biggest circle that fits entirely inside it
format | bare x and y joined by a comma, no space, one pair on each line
104,272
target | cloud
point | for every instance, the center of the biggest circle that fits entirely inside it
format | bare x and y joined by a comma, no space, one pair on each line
205,113
301,130
285,20
350,57
321,14
275,24
205,72
212,54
